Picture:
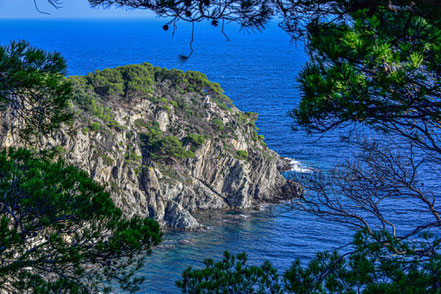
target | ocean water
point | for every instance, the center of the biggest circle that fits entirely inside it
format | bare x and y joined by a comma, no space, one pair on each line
258,72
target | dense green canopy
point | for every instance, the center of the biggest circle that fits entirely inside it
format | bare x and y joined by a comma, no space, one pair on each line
60,231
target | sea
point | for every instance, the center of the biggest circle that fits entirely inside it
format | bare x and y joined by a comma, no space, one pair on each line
257,70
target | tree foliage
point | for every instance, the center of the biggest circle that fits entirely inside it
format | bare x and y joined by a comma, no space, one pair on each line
381,70
369,268
231,275
33,89
378,67
139,80
61,233
293,15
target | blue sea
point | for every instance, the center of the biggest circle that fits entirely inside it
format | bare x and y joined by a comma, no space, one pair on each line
258,72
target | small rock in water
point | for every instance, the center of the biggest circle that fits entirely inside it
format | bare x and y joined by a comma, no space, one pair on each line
185,241
237,216
166,246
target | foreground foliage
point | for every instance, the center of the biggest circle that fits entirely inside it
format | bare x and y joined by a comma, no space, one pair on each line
61,232
33,89
231,275
370,268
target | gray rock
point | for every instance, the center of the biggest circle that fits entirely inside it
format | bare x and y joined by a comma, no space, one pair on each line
171,189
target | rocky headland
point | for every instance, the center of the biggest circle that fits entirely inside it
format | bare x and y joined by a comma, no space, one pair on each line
166,144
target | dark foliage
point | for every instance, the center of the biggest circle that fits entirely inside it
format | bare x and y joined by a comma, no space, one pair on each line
370,268
33,89
61,233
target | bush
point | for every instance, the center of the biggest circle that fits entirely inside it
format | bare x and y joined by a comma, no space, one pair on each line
242,154
174,103
195,139
140,123
132,157
162,147
218,123
95,126
124,80
170,145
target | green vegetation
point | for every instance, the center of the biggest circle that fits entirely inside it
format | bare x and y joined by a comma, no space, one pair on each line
162,100
166,107
190,81
370,269
95,126
169,172
242,154
132,157
57,151
140,123
103,113
195,140
174,104
161,147
218,123
138,79
32,81
135,79
107,159
53,222
170,146
231,275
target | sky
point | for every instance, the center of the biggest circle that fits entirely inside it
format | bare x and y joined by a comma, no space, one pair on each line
71,9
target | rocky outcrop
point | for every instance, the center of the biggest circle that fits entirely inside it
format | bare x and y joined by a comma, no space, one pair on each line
168,148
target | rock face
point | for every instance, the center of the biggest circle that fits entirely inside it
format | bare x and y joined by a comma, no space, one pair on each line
167,144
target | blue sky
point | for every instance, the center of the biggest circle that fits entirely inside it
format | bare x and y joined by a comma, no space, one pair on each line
71,9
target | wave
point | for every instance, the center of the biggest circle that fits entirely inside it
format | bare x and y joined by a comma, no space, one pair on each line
298,167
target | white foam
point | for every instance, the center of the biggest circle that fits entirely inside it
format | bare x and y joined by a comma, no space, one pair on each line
297,166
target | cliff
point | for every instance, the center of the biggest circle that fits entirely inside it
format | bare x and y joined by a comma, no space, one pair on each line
166,144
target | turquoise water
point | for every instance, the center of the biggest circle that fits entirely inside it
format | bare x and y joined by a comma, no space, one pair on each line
257,71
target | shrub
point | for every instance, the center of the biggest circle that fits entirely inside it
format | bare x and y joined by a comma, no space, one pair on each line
161,147
95,126
195,139
123,80
174,103
140,123
58,151
242,155
171,145
162,100
218,123
132,157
